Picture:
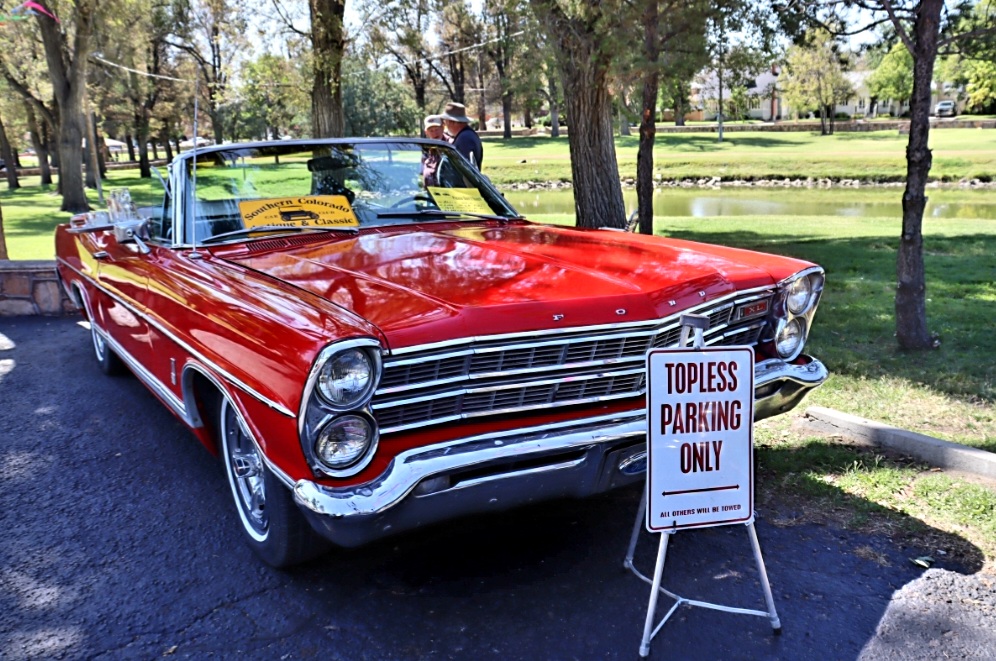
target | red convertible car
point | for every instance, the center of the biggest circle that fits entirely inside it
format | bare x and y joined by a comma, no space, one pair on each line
368,354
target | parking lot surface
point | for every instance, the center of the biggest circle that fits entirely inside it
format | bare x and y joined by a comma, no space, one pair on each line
120,541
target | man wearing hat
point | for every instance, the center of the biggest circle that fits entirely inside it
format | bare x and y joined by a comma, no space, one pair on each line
464,139
433,127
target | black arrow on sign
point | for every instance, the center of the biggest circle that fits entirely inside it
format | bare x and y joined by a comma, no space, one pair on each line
675,493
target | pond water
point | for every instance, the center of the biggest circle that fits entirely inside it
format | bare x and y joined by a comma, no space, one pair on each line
700,203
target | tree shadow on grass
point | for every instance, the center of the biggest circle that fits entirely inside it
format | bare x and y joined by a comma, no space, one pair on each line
798,484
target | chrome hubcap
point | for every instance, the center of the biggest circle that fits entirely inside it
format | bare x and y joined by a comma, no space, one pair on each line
99,344
246,472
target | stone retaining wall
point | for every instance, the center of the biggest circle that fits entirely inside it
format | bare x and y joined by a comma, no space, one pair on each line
30,288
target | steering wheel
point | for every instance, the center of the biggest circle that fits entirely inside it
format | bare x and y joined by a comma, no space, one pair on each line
417,197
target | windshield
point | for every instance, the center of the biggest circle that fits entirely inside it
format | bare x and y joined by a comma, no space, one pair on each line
324,185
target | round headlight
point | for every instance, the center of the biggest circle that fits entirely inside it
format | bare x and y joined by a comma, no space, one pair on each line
346,378
798,295
789,340
343,441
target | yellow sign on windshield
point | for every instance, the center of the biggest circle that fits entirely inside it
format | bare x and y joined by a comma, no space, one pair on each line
310,211
466,200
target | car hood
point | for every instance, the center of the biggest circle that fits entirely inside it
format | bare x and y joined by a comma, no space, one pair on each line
431,283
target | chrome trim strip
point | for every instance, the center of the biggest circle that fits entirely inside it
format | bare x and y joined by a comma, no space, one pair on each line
146,377
520,409
481,376
279,408
552,342
520,385
466,484
673,319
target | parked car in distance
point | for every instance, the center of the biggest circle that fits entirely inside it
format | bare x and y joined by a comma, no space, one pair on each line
945,109
369,355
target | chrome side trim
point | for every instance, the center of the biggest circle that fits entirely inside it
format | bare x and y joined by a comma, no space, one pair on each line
146,377
467,484
186,347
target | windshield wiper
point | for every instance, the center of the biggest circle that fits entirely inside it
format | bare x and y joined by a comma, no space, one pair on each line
276,228
442,213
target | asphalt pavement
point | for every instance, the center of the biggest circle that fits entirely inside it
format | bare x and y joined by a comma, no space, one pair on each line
120,541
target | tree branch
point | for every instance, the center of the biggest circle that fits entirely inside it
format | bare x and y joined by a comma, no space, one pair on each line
900,28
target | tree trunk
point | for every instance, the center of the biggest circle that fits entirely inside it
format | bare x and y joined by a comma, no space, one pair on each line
164,138
98,139
678,92
53,154
7,153
911,289
584,67
506,114
719,77
155,151
482,110
327,44
3,239
67,71
623,122
39,145
648,122
130,140
142,134
527,117
71,159
554,119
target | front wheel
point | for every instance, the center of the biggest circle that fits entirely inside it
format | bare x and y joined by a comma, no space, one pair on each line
107,360
271,522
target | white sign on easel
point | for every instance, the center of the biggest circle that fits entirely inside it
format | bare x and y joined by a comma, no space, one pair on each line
700,463
700,437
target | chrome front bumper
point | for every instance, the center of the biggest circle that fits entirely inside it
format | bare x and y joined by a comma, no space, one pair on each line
498,471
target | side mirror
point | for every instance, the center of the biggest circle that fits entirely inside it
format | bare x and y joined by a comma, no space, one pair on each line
133,230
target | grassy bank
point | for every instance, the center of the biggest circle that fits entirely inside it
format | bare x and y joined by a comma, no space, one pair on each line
873,156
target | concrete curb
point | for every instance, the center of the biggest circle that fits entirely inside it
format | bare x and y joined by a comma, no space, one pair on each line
936,452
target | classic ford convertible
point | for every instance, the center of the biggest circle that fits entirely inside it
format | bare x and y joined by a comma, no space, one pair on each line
368,354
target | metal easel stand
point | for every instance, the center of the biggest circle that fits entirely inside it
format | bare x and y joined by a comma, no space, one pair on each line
698,323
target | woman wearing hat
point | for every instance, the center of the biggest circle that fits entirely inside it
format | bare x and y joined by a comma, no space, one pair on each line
464,139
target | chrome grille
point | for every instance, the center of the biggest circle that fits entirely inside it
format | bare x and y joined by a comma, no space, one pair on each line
493,375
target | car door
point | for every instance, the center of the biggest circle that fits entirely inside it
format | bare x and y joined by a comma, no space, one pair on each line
122,277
